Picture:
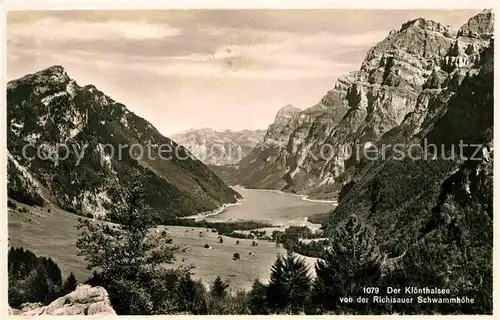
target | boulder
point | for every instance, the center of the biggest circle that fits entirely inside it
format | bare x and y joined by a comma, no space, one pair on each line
85,300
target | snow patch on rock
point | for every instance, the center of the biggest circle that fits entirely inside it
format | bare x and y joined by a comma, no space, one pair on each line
93,203
30,182
33,137
16,128
51,97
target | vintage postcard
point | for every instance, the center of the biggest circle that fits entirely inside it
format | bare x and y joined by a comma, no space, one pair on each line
325,161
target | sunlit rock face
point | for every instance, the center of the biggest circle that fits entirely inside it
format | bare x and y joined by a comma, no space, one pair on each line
430,219
401,86
219,148
85,300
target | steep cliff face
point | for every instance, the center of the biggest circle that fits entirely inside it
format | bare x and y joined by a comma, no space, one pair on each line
432,217
403,74
70,145
254,170
219,148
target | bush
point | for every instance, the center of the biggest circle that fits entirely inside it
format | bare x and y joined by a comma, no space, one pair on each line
11,204
206,246
259,234
69,284
192,295
236,256
23,210
254,244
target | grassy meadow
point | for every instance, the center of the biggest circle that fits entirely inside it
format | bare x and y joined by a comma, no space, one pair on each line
54,234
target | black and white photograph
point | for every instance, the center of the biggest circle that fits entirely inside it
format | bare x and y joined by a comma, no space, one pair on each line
278,161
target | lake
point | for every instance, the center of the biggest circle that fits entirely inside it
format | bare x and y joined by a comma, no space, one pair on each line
271,206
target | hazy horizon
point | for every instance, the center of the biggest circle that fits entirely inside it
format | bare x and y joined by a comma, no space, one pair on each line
193,69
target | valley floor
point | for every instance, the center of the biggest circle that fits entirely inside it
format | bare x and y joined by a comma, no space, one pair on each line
54,234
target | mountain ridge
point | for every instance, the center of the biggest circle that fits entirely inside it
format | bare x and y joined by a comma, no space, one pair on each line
219,147
50,109
401,73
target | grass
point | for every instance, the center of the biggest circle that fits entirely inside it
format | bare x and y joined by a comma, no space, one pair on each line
54,234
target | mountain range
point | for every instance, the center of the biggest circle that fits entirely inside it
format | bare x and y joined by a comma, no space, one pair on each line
402,86
429,219
433,218
219,147
48,109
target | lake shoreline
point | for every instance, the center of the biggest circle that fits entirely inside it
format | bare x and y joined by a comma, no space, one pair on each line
225,213
214,212
301,196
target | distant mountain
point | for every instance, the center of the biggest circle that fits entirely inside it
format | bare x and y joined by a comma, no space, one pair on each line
403,74
219,147
48,109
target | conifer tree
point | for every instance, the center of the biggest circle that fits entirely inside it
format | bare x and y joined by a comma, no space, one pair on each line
69,284
219,288
350,263
289,284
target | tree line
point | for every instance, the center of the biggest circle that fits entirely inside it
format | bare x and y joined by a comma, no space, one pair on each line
130,262
35,279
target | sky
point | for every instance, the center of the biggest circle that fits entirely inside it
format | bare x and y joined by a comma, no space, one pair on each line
222,69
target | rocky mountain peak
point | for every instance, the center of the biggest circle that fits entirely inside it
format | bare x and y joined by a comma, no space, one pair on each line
480,24
48,109
427,24
286,113
52,76
404,73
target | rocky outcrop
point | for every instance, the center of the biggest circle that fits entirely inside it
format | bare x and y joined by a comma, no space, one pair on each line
254,170
431,215
282,126
219,148
85,300
70,145
480,26
413,71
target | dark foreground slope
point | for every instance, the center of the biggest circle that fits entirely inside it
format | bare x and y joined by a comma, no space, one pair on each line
48,109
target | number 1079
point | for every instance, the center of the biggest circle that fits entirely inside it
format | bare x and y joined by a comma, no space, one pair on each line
371,290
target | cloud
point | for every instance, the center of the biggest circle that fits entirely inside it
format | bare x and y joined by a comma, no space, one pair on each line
282,67
241,66
56,29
